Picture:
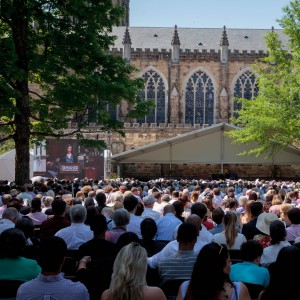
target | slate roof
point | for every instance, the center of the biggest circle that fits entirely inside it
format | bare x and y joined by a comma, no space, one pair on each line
190,38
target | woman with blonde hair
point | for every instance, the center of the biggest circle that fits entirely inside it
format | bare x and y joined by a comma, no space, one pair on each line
128,281
230,236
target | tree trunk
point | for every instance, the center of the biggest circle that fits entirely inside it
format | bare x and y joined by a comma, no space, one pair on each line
22,125
22,136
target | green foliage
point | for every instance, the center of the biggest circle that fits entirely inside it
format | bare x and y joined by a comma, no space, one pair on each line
272,119
56,71
6,146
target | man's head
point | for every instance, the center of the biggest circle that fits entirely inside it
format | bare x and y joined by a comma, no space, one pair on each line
187,236
195,220
121,217
169,209
149,201
148,229
218,215
199,209
52,252
78,213
294,215
6,198
58,207
251,251
166,197
130,202
256,208
98,224
11,213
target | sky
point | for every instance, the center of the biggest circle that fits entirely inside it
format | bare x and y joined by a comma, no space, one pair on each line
256,14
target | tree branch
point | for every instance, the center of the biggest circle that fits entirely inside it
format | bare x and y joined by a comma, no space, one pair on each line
9,137
7,123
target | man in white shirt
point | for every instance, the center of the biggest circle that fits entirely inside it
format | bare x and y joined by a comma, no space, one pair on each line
148,208
9,218
78,233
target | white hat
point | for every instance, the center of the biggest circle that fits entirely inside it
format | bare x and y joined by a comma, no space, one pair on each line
264,220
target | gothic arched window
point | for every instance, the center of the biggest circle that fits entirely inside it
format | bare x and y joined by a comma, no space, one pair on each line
245,87
155,90
199,99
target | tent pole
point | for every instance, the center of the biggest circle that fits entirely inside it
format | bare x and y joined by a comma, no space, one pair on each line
222,150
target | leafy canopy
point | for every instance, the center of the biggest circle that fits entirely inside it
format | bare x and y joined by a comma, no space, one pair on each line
54,65
272,119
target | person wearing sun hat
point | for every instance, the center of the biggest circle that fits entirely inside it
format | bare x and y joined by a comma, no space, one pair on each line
263,225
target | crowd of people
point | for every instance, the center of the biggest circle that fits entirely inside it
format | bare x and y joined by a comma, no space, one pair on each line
132,239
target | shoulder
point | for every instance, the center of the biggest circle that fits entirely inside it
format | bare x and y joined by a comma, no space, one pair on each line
104,295
152,292
244,293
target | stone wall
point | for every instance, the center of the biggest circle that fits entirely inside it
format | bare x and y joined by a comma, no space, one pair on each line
198,171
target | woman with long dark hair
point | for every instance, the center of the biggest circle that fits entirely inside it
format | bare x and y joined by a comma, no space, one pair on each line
210,278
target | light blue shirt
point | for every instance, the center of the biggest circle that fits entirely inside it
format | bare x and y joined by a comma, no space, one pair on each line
250,273
52,287
135,225
75,235
166,227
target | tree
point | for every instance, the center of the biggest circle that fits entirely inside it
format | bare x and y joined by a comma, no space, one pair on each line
272,119
55,66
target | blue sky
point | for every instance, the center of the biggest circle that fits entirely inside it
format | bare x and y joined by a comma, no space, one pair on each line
261,14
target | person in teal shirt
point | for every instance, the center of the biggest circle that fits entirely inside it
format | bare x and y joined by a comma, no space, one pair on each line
12,265
249,271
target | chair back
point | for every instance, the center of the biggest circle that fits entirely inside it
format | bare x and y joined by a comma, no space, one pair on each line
9,288
170,288
254,290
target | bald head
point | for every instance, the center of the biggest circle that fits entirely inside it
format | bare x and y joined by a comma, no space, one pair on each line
169,209
195,220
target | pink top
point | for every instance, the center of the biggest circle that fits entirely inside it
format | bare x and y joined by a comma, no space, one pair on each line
38,217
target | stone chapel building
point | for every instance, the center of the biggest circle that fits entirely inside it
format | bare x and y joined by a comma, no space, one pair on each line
193,76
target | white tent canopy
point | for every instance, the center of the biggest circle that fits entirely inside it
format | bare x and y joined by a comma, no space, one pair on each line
7,165
209,145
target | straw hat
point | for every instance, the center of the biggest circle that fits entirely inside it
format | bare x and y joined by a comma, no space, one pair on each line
264,220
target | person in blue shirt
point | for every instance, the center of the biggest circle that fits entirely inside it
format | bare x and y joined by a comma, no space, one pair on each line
250,271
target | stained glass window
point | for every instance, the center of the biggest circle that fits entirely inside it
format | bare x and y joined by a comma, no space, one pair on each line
199,99
155,90
245,87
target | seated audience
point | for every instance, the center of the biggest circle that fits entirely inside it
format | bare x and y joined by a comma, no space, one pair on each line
210,277
293,231
230,236
180,265
50,283
57,222
9,218
277,234
36,212
167,224
13,265
148,231
249,270
129,276
98,247
263,225
78,233
121,218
